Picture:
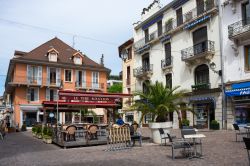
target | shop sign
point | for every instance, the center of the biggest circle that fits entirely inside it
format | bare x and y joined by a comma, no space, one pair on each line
87,99
198,21
238,92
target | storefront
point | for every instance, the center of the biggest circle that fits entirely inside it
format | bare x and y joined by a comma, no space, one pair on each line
239,95
204,108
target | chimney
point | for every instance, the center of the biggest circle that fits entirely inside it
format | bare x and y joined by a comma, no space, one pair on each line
102,60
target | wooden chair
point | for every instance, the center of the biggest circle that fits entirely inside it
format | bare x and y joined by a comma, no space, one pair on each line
71,132
92,132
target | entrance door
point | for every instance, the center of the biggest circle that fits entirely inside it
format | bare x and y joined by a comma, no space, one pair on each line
204,114
30,118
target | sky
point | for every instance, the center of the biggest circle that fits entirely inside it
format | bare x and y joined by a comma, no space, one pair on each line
98,27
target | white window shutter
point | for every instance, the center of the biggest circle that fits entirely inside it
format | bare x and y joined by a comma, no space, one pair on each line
83,79
58,77
28,94
48,76
47,94
29,74
39,75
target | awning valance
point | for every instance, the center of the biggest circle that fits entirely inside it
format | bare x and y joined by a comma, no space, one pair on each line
238,92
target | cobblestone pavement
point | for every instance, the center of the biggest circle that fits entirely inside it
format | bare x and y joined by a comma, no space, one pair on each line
21,149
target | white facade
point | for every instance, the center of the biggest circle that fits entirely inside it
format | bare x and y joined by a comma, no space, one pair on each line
183,71
235,39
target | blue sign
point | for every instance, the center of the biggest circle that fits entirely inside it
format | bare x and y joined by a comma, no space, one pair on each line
194,23
51,115
238,92
241,85
151,22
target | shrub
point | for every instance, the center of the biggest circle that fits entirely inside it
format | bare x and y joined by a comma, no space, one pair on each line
214,125
39,130
34,129
185,122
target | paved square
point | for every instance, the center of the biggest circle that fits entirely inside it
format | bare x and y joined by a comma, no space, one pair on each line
21,149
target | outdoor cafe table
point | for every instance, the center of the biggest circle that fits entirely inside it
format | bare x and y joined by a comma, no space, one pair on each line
194,137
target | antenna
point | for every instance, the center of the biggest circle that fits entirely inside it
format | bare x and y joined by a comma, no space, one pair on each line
73,44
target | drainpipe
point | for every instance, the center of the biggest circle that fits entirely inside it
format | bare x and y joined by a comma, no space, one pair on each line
224,118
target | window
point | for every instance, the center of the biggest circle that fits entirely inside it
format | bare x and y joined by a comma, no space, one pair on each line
32,74
169,81
32,94
52,75
200,40
179,17
129,53
95,79
200,6
202,75
168,60
146,35
144,86
159,26
128,75
145,62
247,57
246,13
68,75
52,57
77,60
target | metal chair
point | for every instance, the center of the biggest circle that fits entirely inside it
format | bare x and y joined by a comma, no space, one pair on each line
238,131
135,136
163,136
190,132
247,143
178,144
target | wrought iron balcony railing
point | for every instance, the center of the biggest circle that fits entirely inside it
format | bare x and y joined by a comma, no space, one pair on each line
144,41
88,85
196,50
239,27
141,71
200,86
167,62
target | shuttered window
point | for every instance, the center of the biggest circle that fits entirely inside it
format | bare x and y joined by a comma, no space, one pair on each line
32,94
247,57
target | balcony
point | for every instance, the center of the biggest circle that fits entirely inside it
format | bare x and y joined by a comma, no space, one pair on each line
143,72
201,51
144,44
239,30
23,80
167,63
190,19
80,85
200,86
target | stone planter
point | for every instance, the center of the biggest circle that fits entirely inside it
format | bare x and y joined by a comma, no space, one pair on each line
166,126
49,140
39,136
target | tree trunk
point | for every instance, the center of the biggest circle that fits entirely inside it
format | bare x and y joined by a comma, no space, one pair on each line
179,119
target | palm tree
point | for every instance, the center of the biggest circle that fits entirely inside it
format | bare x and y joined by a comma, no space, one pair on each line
159,101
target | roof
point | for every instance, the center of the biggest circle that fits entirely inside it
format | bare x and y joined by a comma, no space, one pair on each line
65,54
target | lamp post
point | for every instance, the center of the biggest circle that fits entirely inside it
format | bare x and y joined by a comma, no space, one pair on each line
212,65
57,116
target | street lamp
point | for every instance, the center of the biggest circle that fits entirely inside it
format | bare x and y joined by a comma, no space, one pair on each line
213,66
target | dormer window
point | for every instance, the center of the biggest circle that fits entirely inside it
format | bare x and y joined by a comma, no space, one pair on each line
52,55
77,58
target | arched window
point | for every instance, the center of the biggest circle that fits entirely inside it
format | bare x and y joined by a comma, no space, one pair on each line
201,74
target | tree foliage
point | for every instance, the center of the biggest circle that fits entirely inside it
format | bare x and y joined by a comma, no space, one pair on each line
115,88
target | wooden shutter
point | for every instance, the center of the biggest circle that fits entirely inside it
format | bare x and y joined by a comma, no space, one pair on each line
47,94
48,76
58,77
83,79
39,75
29,74
28,94
36,94
55,97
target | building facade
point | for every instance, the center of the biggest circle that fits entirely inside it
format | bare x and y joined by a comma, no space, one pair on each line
126,53
235,20
179,45
36,76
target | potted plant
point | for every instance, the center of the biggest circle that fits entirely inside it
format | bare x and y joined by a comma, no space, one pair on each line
214,125
184,122
47,137
158,101
39,132
34,130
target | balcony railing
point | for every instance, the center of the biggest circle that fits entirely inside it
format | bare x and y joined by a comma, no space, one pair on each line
167,62
238,28
191,15
144,70
54,82
89,85
144,41
197,50
200,86
22,80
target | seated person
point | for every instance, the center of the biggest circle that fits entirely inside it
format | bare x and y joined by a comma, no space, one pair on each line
119,121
